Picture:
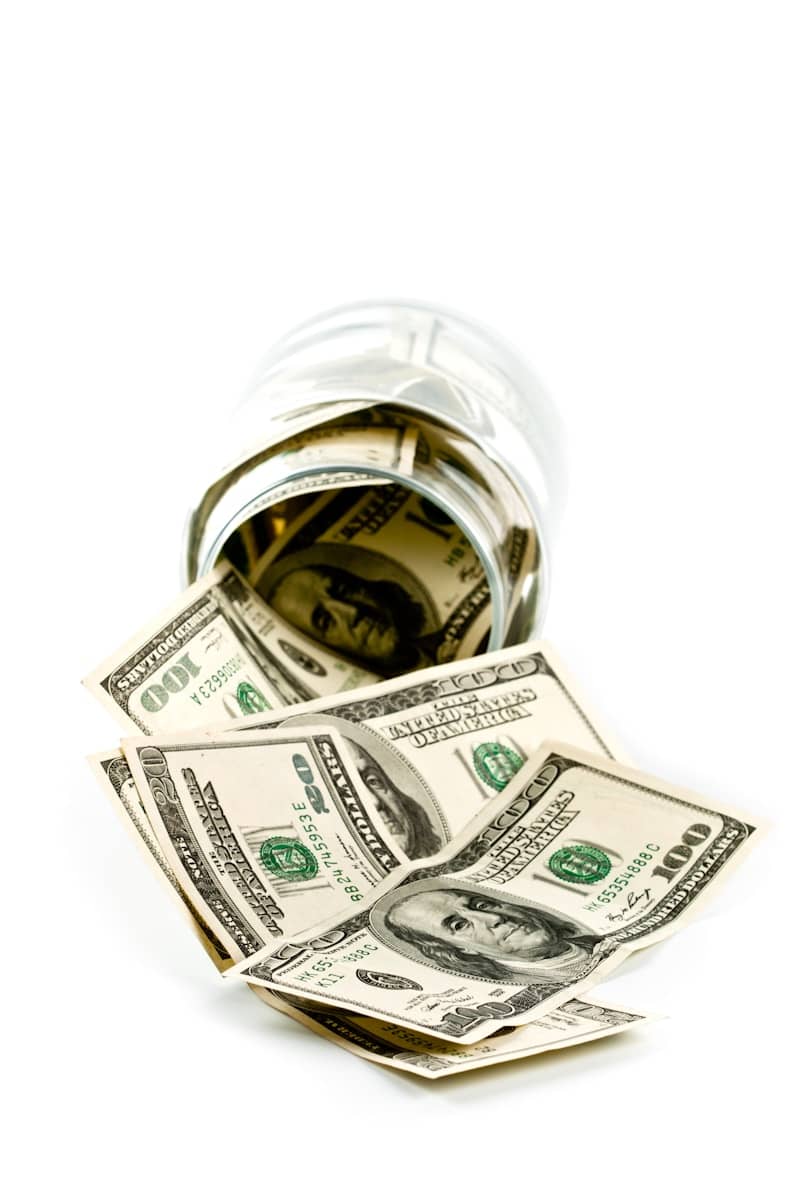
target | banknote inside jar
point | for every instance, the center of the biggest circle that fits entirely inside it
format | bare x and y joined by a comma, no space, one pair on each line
372,563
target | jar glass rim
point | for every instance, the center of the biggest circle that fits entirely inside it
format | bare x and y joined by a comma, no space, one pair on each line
209,555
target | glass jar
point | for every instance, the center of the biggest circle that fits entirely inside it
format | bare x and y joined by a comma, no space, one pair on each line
493,460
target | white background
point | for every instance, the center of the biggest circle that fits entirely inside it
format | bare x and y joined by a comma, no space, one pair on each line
615,188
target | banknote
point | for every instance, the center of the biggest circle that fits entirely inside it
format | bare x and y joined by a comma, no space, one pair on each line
383,439
274,431
541,896
111,767
264,832
390,1045
297,458
217,653
577,1021
503,510
436,747
266,517
374,446
290,472
388,580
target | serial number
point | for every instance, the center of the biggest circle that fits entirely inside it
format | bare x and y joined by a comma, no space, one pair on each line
218,679
619,882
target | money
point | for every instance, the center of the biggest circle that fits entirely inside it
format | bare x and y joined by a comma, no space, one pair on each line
306,464
541,896
263,832
391,1045
381,1042
428,870
216,654
435,748
111,768
387,580
501,505
374,447
352,448
268,516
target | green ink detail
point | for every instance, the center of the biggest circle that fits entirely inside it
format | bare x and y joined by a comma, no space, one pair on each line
250,699
495,764
288,858
580,864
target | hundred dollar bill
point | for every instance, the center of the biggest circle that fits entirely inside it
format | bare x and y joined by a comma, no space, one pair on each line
264,832
111,767
391,1045
503,509
302,465
260,432
216,654
304,428
381,1042
362,439
578,1021
267,517
388,580
545,893
373,446
435,747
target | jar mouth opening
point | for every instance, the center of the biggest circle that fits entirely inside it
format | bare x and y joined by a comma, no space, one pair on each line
227,544
465,479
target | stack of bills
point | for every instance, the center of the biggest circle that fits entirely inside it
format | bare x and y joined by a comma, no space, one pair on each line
429,869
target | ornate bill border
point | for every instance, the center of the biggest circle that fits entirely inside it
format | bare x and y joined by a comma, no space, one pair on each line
731,837
194,861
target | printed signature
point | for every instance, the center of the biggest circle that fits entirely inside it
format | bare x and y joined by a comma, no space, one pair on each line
632,900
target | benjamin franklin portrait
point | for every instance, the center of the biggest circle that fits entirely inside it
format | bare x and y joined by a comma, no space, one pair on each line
473,932
405,818
402,799
356,602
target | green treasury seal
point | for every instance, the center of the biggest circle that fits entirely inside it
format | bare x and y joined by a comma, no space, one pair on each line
495,763
288,858
580,864
250,698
